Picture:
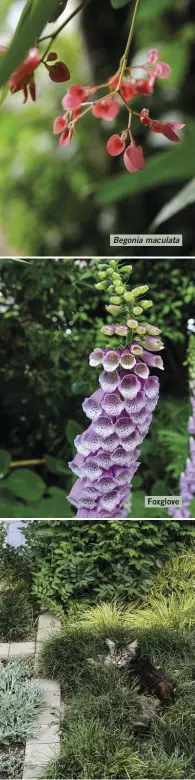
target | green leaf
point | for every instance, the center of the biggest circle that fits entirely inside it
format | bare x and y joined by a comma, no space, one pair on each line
33,19
53,507
6,508
26,484
151,9
164,167
56,465
179,202
5,460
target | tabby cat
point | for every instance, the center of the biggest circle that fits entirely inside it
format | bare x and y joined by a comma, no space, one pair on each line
136,666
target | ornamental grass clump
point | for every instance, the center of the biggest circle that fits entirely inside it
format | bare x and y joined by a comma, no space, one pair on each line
187,478
121,408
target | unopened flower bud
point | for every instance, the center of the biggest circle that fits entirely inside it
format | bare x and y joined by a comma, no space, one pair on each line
152,330
121,330
115,299
119,290
137,310
141,330
102,274
108,330
127,268
147,304
132,324
113,263
100,286
116,277
113,309
128,296
140,290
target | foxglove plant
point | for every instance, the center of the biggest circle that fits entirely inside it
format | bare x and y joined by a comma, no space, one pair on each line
187,478
121,408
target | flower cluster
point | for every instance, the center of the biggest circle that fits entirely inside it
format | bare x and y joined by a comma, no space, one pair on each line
121,408
122,87
187,478
22,79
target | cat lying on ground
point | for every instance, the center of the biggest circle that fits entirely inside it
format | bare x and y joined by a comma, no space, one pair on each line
136,667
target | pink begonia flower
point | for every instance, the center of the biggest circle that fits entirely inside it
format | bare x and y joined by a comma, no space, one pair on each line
157,126
23,77
115,145
74,97
107,108
133,158
59,125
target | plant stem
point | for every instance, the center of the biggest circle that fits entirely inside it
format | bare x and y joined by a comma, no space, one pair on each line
128,44
35,462
54,35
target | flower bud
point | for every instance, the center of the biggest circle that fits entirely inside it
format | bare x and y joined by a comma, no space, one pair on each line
126,268
102,274
108,330
152,330
116,277
115,299
128,296
137,310
113,309
132,324
111,288
140,290
121,330
147,304
113,263
119,290
100,286
141,330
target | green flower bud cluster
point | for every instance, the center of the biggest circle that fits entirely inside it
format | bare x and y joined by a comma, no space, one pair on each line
124,302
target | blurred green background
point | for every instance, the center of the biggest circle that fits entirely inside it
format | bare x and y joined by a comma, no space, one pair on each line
55,200
50,320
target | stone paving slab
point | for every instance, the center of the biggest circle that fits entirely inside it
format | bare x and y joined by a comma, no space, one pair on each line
23,649
40,753
4,650
47,734
48,716
48,620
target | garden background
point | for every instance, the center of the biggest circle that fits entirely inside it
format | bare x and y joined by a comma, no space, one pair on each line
50,320
67,201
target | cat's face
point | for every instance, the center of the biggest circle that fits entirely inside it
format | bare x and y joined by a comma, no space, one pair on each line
120,655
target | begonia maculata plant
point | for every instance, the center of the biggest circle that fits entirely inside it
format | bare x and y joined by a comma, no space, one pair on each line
120,410
118,91
187,478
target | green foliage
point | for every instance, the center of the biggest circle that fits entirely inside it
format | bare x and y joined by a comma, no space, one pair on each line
104,560
20,698
53,200
96,735
11,762
16,612
47,333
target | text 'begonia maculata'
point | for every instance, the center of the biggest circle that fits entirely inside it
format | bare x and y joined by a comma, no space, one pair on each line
121,408
187,478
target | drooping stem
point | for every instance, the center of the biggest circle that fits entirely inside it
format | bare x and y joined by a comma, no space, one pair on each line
34,462
124,59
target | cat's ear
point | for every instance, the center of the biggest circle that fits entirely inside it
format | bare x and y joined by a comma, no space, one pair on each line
132,647
110,644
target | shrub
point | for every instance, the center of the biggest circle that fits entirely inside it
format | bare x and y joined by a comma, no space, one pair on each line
16,612
109,559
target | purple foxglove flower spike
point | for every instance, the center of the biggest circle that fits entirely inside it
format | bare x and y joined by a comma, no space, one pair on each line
120,411
187,478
